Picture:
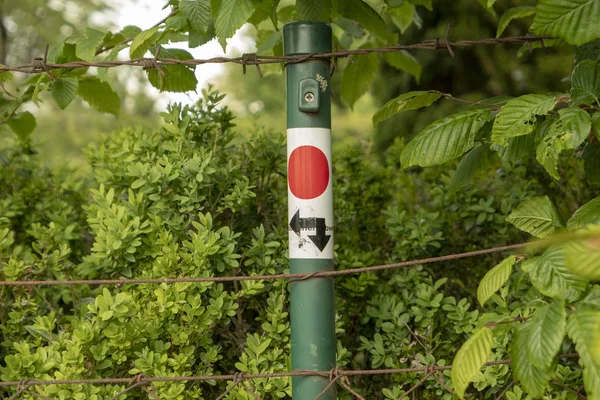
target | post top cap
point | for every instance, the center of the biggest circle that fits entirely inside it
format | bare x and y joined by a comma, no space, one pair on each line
306,37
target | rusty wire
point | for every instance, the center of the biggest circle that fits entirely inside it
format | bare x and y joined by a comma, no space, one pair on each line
335,375
293,277
40,65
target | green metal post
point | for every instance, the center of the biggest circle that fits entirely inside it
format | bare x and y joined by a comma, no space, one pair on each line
310,207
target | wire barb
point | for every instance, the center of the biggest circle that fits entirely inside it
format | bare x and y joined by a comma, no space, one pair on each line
251,59
39,64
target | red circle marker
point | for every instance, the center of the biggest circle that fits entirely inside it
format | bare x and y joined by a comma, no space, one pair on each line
308,172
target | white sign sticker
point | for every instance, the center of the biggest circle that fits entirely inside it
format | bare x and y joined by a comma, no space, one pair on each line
310,194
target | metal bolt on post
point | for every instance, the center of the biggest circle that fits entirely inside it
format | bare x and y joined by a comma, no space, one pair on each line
310,207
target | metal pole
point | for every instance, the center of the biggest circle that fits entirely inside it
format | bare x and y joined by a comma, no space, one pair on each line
310,207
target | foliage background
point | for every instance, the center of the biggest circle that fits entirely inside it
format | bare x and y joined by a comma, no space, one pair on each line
187,193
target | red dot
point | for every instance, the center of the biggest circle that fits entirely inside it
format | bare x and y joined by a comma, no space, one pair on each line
308,172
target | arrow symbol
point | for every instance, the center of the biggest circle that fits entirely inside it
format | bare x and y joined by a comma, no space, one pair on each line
320,238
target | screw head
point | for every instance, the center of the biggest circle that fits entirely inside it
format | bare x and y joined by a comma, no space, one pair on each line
310,97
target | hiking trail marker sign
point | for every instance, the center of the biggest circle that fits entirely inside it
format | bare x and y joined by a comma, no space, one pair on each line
310,210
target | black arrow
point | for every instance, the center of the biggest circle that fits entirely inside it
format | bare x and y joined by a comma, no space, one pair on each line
320,239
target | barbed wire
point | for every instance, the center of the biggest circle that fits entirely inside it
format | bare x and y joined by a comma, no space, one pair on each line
334,376
40,65
293,277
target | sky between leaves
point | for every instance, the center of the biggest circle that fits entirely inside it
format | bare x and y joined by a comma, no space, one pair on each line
145,13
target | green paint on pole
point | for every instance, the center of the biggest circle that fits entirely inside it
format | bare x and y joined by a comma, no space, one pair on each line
310,207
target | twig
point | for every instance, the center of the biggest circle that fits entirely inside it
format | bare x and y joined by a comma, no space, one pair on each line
440,380
417,385
427,351
579,395
22,386
237,380
326,388
38,395
511,321
48,304
250,389
475,103
15,109
131,387
102,49
348,388
506,389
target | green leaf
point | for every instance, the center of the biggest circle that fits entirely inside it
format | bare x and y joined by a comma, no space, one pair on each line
596,124
550,275
573,126
583,327
567,131
589,213
513,13
177,23
6,76
403,16
589,51
405,102
476,160
268,44
575,21
534,380
358,76
37,332
64,90
489,6
314,10
142,42
86,48
352,28
591,301
265,9
494,279
197,13
130,32
548,150
445,139
591,162
232,15
173,78
22,124
99,95
404,61
470,358
363,13
536,216
196,39
546,334
582,254
424,3
518,148
585,82
518,116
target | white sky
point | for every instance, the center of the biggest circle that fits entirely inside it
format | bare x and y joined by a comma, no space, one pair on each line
145,13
